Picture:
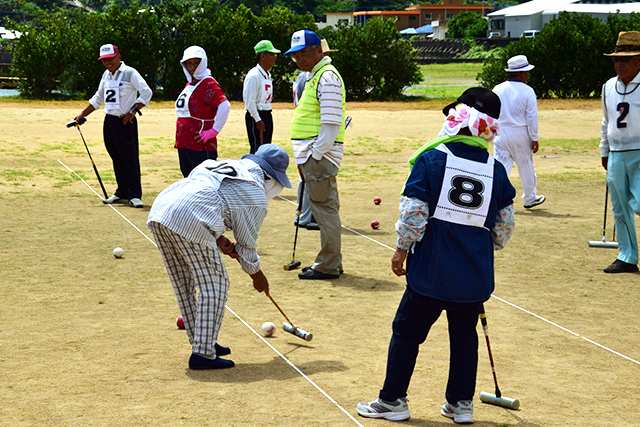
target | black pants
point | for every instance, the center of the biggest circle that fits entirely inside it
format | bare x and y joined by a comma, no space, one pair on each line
121,142
189,159
252,131
410,328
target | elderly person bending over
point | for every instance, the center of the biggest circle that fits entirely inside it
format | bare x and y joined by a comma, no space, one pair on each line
188,220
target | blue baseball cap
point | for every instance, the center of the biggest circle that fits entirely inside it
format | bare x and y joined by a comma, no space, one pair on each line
303,38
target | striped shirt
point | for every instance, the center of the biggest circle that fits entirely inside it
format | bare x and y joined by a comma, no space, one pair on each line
131,84
329,93
201,208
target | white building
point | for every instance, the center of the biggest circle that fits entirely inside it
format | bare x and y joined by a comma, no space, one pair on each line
515,20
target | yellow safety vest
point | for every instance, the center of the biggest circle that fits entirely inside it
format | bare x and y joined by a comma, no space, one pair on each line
305,123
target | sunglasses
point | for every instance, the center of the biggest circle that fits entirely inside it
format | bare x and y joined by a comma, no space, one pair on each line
623,58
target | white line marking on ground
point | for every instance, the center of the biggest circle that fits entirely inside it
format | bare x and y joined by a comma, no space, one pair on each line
507,302
233,312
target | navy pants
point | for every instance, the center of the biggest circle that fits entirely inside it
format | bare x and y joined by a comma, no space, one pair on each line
121,142
189,159
410,329
252,131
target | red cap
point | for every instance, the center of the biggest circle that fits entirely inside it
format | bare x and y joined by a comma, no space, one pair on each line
108,51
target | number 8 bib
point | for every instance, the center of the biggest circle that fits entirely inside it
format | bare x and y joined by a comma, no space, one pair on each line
466,190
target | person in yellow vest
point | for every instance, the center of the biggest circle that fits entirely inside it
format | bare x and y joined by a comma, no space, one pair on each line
317,136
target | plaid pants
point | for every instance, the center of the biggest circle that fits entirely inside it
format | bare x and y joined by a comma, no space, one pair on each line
200,283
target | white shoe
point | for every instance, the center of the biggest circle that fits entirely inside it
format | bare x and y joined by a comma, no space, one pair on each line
460,413
537,201
393,411
136,203
114,199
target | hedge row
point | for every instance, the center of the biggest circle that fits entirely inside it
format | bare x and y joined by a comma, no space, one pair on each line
58,50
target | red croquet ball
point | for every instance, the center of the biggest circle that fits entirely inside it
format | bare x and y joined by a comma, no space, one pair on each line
180,322
375,224
377,200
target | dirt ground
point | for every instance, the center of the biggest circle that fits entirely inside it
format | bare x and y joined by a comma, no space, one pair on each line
88,339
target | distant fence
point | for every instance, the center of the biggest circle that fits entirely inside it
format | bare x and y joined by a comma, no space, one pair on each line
435,51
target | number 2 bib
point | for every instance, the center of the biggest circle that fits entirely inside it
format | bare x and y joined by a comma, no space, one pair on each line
466,190
112,96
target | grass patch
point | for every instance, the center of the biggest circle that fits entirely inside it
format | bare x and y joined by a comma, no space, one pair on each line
450,74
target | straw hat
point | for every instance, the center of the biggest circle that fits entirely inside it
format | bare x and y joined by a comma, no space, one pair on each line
325,46
628,44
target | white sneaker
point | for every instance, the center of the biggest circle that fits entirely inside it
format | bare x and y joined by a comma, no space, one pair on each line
136,203
460,413
114,199
537,201
393,411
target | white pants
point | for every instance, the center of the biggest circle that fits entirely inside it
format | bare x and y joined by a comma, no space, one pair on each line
514,145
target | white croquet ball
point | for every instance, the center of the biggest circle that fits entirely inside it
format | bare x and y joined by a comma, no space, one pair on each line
118,252
268,328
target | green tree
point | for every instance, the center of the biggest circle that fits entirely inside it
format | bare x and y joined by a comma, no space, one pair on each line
375,62
467,25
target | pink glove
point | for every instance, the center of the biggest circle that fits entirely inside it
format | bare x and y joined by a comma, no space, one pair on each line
206,135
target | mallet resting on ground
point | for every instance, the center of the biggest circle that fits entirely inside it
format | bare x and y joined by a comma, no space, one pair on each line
497,398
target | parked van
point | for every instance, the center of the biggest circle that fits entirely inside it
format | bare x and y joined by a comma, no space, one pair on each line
530,34
494,34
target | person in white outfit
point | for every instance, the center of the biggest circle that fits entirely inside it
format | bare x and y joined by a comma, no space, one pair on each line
518,139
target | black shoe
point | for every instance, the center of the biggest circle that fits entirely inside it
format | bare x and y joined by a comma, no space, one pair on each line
222,351
312,226
309,268
198,362
538,201
312,274
619,266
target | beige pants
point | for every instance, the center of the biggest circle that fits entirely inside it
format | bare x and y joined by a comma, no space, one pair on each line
322,187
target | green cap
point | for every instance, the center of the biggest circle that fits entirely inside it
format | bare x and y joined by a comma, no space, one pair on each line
265,46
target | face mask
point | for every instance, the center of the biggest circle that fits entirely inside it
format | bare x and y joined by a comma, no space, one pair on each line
272,188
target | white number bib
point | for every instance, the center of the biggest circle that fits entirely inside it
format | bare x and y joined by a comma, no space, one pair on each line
182,103
466,190
112,96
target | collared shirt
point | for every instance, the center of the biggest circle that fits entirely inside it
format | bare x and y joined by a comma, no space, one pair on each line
131,84
620,116
329,93
200,208
257,91
519,106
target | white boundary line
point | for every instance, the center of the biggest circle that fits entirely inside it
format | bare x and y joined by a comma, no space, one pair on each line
233,312
509,303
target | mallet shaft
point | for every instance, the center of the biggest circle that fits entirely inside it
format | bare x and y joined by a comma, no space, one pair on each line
279,309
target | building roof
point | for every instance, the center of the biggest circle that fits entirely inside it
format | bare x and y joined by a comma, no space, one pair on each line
387,12
555,6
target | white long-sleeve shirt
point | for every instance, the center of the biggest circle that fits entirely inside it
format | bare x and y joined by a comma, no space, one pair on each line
620,116
519,106
131,84
257,91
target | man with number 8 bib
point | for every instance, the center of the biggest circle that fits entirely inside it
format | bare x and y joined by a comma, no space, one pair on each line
455,210
620,146
123,92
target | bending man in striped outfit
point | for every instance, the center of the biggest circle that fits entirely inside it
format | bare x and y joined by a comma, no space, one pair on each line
317,135
188,220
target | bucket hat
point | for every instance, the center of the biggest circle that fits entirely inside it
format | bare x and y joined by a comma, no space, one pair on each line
518,63
274,160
